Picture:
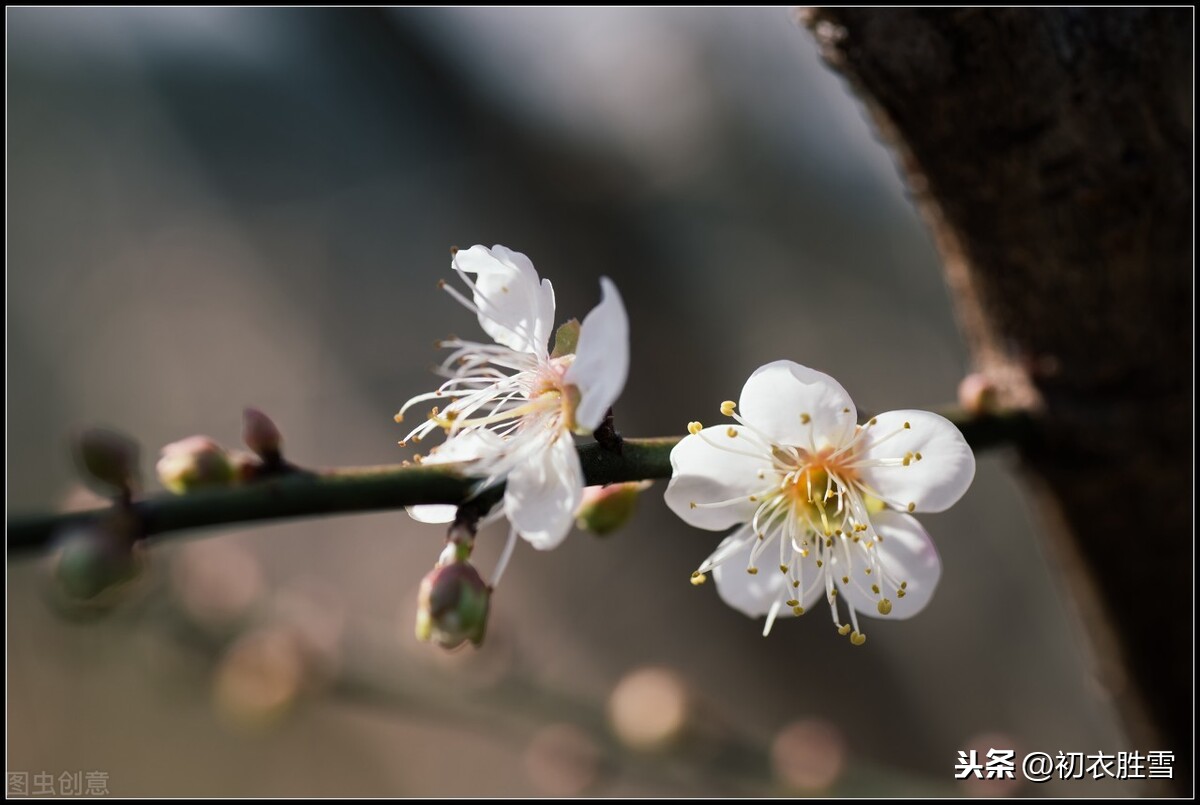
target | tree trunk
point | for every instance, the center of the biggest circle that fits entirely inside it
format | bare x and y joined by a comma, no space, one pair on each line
1050,151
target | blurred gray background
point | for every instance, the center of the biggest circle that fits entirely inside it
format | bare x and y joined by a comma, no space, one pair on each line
214,208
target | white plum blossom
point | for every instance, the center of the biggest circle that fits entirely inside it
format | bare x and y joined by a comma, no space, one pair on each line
822,504
510,407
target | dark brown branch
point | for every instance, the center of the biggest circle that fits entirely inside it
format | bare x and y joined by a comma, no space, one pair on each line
1051,152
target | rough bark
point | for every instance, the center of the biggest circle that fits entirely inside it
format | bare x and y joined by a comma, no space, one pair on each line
1051,153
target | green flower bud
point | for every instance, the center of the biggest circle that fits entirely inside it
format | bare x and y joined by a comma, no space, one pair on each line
452,606
93,561
194,463
607,508
108,460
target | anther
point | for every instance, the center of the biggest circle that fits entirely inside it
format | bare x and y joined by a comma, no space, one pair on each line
873,421
805,419
727,407
731,432
844,629
753,571
694,428
900,593
797,610
912,507
792,602
858,638
698,578
875,589
845,579
917,456
884,606
907,426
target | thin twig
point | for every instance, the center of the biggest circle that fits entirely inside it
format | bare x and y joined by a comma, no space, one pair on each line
365,489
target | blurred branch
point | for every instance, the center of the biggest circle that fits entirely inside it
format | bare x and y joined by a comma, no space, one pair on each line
1050,151
365,489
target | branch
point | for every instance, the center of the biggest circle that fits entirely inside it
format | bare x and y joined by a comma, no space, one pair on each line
366,489
1050,150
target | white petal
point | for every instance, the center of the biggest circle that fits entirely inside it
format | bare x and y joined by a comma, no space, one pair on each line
470,447
703,473
601,358
544,492
474,445
907,554
798,406
936,481
433,513
751,595
515,307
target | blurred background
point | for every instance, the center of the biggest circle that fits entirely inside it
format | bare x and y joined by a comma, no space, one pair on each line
216,208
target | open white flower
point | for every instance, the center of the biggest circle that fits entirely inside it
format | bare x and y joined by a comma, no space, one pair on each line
511,407
822,503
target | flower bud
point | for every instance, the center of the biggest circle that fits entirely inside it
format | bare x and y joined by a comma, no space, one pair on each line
607,508
260,434
977,393
247,467
452,606
108,459
92,560
194,463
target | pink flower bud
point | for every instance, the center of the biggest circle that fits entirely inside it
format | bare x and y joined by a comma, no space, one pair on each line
260,434
194,463
108,459
977,393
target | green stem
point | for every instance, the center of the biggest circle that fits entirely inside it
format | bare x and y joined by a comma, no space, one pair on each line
340,491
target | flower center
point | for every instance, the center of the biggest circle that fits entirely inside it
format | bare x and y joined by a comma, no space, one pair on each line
550,390
816,482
